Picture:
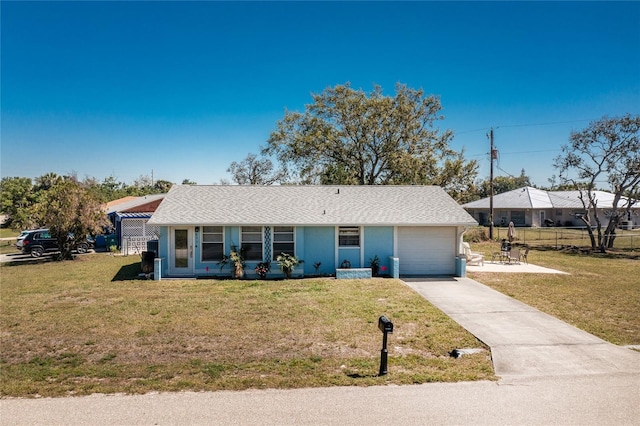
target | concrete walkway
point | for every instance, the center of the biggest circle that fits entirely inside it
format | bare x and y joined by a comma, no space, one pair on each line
514,268
524,342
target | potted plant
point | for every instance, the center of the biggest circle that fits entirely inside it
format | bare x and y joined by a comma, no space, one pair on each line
287,263
262,269
236,259
375,265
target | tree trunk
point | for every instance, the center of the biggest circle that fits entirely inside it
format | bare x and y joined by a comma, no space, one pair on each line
610,232
592,237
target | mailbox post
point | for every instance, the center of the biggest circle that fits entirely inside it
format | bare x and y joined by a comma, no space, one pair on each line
385,326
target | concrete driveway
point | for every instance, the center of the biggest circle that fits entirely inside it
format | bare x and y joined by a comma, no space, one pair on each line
524,342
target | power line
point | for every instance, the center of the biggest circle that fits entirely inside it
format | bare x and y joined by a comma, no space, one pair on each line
519,152
550,123
545,124
530,152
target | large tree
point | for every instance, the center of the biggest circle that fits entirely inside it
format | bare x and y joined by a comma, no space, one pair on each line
608,150
347,136
255,171
71,212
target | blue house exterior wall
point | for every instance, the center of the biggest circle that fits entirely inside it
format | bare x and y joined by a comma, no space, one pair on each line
318,245
349,254
314,244
378,241
163,249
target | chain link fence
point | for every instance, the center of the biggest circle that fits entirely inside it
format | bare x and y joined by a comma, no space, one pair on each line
568,237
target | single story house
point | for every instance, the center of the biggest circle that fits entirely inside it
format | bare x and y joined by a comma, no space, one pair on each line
129,217
535,207
414,230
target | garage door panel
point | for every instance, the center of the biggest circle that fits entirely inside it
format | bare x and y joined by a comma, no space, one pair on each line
426,250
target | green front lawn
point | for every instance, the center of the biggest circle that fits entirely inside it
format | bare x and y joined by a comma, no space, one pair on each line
90,325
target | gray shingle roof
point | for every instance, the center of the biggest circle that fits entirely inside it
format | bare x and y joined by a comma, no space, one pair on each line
309,205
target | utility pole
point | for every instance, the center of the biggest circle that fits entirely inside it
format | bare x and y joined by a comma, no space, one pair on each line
494,155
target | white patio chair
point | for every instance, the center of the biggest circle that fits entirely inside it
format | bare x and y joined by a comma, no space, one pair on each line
471,257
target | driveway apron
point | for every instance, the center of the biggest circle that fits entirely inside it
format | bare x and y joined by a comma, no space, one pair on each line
524,342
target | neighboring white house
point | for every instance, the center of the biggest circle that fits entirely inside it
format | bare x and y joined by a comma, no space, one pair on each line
534,207
413,230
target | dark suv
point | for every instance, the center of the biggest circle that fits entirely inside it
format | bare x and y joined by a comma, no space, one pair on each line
40,241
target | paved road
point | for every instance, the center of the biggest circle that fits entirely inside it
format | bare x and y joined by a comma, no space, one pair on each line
587,400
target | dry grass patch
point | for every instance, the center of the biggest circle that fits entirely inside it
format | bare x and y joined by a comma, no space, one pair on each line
601,295
87,326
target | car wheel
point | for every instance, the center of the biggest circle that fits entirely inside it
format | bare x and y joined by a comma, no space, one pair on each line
36,252
83,248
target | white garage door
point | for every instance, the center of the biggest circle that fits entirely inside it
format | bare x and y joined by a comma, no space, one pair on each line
426,250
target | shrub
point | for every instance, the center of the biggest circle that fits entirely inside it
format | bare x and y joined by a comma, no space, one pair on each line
287,263
476,235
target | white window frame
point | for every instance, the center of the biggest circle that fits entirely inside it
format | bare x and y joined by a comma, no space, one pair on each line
274,230
203,242
259,231
342,229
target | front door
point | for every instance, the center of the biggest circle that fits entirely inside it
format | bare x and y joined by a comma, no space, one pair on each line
181,258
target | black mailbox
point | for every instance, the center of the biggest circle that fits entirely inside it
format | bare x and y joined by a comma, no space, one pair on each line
385,325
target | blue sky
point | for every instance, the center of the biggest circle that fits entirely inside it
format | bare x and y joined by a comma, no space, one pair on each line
184,89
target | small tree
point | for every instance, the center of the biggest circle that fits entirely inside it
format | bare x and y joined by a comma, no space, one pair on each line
71,213
235,258
609,149
503,184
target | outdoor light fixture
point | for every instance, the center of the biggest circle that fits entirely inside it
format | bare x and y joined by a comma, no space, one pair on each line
197,229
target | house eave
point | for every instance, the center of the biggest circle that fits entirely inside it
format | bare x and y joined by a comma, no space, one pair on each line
309,224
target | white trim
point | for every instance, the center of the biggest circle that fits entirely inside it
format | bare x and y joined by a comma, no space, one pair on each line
395,241
273,240
337,245
361,247
200,242
360,242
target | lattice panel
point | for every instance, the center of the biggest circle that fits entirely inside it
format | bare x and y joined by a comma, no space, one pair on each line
133,227
152,231
139,228
267,243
